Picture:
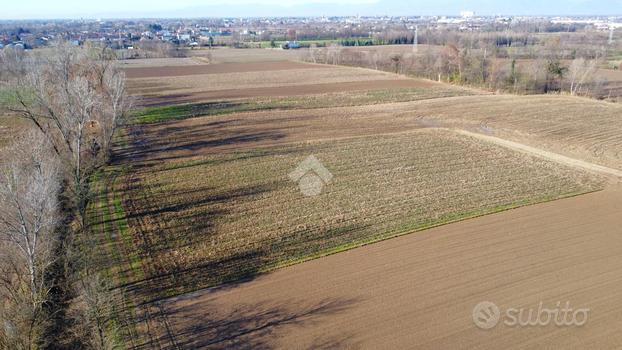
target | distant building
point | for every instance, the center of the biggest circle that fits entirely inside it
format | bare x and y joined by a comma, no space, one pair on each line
467,14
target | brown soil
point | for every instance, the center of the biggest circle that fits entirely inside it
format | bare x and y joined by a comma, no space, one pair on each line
286,91
171,71
418,291
574,127
227,55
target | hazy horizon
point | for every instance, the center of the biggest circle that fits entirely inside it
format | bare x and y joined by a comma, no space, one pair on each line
74,9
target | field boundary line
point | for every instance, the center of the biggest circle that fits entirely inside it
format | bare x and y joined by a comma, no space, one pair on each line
558,158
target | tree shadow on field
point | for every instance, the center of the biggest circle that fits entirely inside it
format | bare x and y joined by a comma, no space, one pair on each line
242,263
198,197
204,325
182,142
151,96
186,222
226,271
165,222
155,100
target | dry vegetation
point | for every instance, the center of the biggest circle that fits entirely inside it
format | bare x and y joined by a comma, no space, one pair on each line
190,185
245,80
69,101
227,55
195,192
200,69
519,63
10,128
198,194
419,290
265,83
576,127
159,112
224,215
160,62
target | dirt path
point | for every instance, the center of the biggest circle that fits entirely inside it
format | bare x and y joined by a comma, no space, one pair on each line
558,158
419,291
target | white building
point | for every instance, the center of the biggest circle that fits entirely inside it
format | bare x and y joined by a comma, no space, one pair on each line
467,14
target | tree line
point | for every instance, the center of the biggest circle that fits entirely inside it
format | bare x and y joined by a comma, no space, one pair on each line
73,99
551,66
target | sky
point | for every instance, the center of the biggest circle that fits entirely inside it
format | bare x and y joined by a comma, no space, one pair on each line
47,9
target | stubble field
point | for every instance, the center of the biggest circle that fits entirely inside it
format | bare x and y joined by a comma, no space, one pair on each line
217,215
310,74
199,193
577,127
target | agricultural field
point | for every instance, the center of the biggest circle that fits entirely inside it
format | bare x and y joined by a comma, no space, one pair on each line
156,110
255,79
228,55
419,290
577,127
201,69
217,216
204,183
612,82
199,192
227,83
160,62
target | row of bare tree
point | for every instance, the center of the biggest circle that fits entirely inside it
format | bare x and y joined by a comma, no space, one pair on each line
152,49
73,100
483,67
511,60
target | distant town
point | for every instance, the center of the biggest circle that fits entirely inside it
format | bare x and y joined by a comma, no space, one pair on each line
288,33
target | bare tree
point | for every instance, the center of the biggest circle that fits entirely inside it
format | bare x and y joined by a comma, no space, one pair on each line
29,187
76,101
92,312
118,103
313,53
580,72
373,58
396,61
158,48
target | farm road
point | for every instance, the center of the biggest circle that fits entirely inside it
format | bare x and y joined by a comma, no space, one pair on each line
558,158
